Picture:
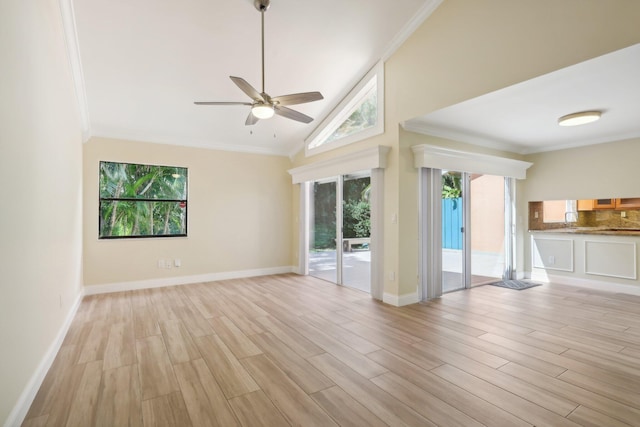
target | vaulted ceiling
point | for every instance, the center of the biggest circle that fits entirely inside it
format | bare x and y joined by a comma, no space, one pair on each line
145,62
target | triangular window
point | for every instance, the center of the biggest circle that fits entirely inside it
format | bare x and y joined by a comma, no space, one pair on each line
359,117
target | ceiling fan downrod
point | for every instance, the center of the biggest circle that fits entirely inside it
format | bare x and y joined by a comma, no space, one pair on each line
262,6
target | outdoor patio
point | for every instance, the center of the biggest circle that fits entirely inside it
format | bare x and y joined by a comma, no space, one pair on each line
356,273
356,267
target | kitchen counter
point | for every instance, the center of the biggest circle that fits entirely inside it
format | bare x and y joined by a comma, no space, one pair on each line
604,231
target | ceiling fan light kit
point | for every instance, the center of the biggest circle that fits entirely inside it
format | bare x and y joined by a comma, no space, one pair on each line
264,106
262,111
581,118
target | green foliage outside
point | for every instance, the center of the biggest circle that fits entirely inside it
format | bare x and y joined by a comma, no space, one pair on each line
451,185
142,200
356,211
357,219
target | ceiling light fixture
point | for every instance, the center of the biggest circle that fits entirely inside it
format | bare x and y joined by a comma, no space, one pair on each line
262,111
581,118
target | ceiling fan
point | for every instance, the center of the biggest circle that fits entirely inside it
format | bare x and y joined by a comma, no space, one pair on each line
262,105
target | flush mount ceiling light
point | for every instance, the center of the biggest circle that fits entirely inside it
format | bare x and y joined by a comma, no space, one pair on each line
581,118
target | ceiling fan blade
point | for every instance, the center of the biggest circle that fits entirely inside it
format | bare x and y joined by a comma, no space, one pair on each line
298,98
247,88
221,103
292,114
251,119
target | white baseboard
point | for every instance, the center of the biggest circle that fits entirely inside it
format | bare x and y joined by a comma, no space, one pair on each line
19,411
400,300
183,280
598,285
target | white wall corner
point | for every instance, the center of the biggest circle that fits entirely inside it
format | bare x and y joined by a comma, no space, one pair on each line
400,300
19,411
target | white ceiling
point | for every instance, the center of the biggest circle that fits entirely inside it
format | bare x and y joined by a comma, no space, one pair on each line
144,62
524,118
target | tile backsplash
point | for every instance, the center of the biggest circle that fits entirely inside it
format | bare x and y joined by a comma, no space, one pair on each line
603,218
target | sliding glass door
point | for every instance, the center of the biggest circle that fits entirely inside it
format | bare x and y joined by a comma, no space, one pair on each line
474,230
323,261
356,231
453,217
487,226
340,239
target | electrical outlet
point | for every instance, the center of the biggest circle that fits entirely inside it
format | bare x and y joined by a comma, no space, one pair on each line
392,275
161,263
623,214
177,262
552,259
535,214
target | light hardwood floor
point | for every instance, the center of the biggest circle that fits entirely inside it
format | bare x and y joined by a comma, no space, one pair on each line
292,350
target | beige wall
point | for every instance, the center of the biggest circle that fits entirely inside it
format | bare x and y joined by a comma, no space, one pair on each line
239,215
596,171
465,49
41,174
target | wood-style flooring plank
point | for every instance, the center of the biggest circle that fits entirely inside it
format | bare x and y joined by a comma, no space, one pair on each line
239,344
589,418
518,406
83,408
179,342
423,403
120,349
256,410
233,378
166,411
205,401
156,373
294,404
379,402
559,387
298,369
475,407
120,401
344,409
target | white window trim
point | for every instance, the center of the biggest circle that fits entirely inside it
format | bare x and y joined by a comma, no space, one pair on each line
342,112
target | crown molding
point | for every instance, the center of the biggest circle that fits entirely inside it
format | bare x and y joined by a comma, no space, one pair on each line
410,27
100,132
73,56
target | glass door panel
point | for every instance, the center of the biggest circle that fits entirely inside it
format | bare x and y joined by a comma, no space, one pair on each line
322,233
452,231
356,234
487,227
